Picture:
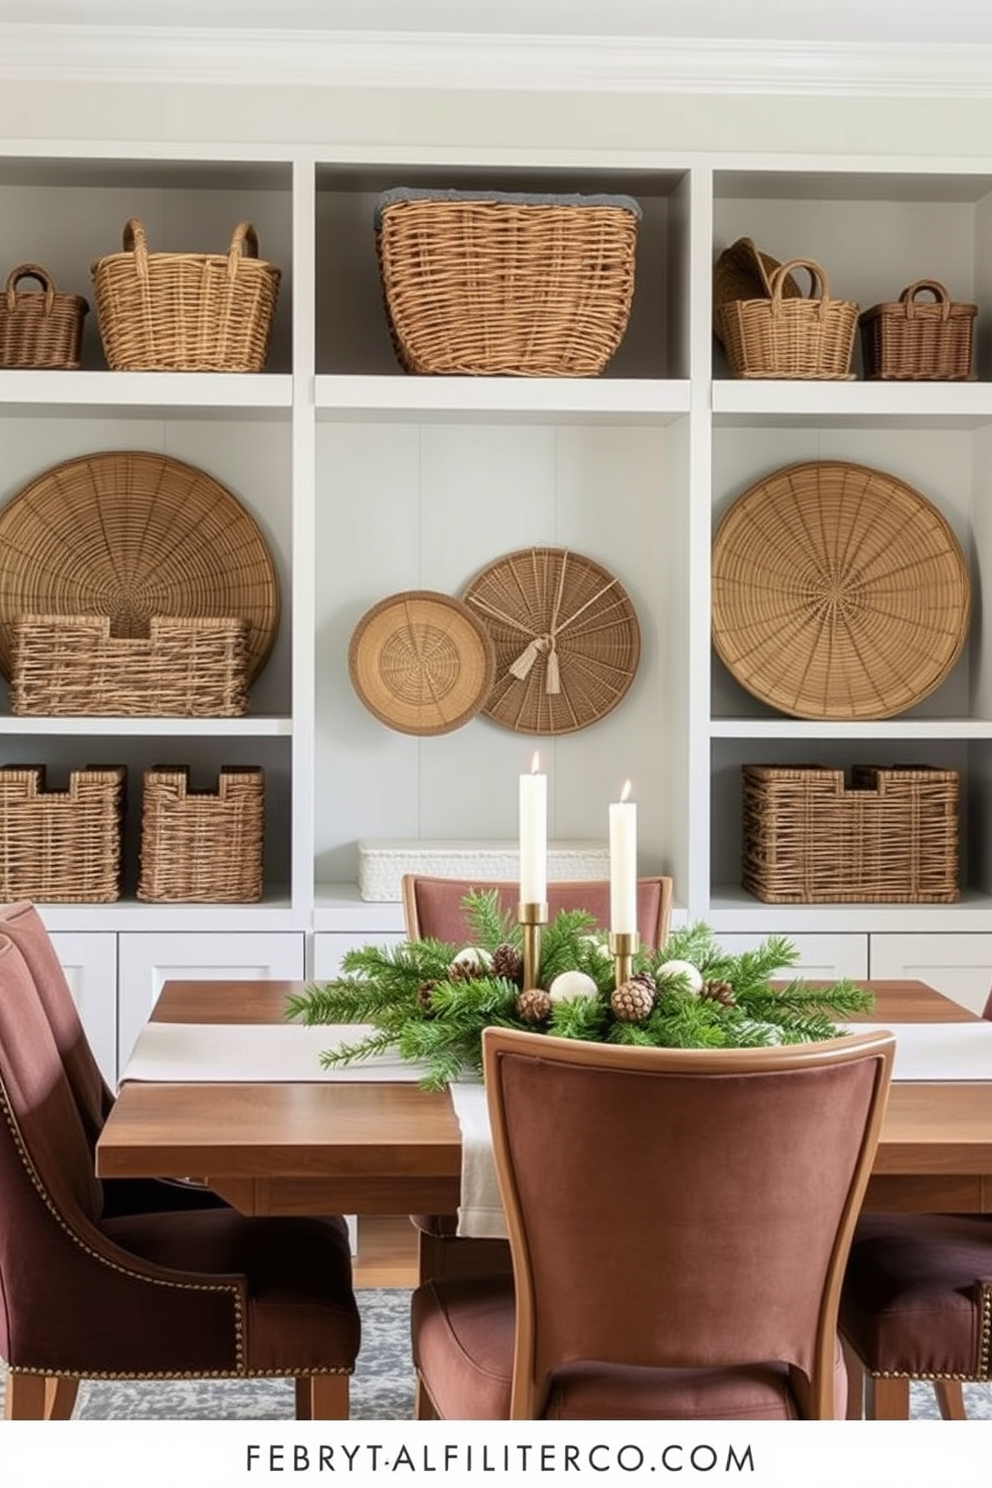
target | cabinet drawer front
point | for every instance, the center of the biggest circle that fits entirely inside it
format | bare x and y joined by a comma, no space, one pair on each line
960,966
821,957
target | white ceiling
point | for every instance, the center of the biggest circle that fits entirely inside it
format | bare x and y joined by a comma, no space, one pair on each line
896,21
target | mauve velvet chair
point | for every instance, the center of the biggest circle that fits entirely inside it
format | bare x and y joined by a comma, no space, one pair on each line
434,908
170,1295
679,1222
94,1098
917,1305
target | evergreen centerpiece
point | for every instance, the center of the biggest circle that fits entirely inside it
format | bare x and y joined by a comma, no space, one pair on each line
429,1001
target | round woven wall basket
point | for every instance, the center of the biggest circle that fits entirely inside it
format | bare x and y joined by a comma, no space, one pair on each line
421,662
130,535
839,592
566,637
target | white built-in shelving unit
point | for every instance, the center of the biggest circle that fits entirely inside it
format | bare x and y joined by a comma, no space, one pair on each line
367,481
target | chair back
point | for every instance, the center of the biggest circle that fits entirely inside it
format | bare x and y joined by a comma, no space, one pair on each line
22,924
681,1208
434,907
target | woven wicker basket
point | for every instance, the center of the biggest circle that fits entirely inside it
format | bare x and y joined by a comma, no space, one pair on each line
505,282
185,312
799,337
61,846
39,329
890,838
202,847
70,665
918,341
743,272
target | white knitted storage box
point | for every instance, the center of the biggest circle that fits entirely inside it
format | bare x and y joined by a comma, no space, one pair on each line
383,862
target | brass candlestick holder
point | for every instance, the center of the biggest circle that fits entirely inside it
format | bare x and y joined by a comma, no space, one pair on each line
623,946
531,917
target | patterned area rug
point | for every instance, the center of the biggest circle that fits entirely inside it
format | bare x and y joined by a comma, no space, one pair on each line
381,1388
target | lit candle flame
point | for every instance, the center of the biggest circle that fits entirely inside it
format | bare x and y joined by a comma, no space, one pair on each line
624,794
535,763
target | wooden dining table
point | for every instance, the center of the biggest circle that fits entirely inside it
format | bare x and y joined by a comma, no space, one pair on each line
326,1146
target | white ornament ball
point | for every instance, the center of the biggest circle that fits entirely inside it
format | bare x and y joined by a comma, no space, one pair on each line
570,984
474,956
684,969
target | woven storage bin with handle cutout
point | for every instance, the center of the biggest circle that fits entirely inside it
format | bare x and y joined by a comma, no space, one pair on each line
790,337
918,340
70,665
39,329
891,837
506,282
202,847
61,846
185,312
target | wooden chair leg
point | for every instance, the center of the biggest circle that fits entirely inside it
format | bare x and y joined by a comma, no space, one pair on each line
329,1397
950,1399
304,1403
26,1397
886,1399
855,1383
423,1406
60,1398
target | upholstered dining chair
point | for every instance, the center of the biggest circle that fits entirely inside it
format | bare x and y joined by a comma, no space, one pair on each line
22,923
434,907
679,1221
150,1295
917,1305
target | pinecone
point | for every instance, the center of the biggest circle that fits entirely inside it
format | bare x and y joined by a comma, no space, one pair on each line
533,1006
508,962
720,991
645,979
424,992
632,1001
468,970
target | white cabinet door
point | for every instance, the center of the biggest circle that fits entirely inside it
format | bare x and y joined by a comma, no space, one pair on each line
148,960
329,948
89,961
821,957
960,966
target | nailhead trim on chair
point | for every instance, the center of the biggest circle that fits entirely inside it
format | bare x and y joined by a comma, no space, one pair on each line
983,1361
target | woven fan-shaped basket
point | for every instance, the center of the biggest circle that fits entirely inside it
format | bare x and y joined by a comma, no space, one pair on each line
566,636
838,592
421,662
130,535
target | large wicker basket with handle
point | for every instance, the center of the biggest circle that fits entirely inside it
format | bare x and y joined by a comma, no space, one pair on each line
890,837
790,336
202,846
506,282
918,340
192,312
39,329
61,846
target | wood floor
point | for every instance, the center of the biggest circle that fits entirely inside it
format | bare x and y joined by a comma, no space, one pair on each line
387,1252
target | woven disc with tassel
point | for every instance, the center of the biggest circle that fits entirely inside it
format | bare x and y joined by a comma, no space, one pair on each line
566,636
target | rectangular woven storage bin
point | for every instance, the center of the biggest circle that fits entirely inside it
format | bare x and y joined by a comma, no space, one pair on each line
39,329
510,283
70,665
787,335
918,341
202,847
185,312
61,846
890,837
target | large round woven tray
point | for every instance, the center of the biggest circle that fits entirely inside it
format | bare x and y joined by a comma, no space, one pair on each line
838,592
132,534
421,662
566,636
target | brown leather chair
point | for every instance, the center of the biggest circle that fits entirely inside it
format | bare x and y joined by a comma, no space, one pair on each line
434,908
917,1305
148,1295
679,1221
93,1097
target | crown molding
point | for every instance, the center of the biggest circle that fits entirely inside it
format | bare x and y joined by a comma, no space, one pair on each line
361,59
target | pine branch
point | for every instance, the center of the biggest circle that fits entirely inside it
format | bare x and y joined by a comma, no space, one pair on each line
490,925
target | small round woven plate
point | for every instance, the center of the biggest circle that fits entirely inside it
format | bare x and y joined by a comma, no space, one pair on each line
132,534
838,592
566,637
421,662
